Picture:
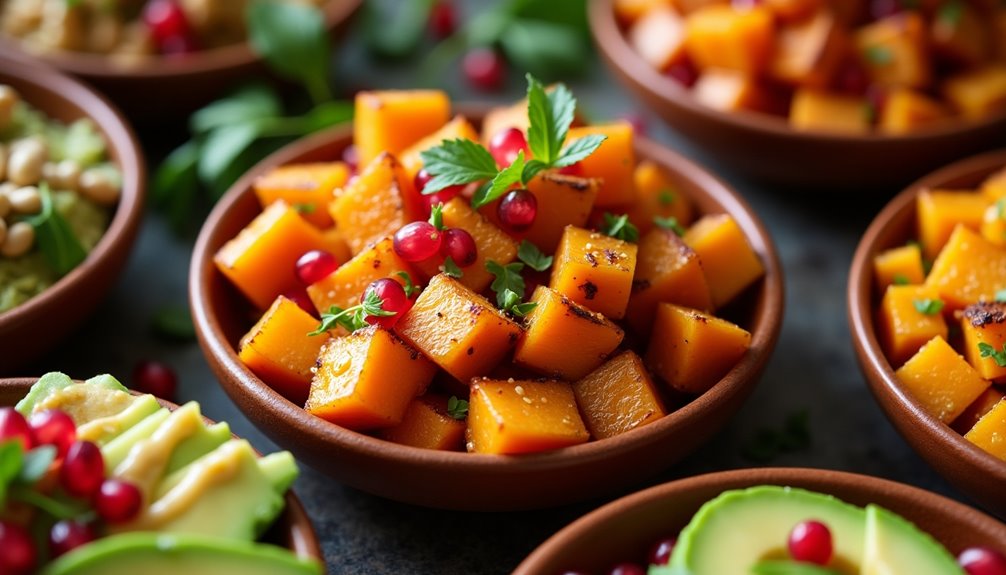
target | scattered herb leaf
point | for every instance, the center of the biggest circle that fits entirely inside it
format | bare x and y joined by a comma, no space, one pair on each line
396,33
879,55
409,287
456,162
501,182
437,216
352,318
998,356
506,278
1001,295
11,460
669,223
533,257
951,13
54,236
173,322
451,268
36,462
666,197
619,227
457,408
512,304
900,280
304,208
928,306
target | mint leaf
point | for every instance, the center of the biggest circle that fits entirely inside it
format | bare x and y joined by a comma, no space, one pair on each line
619,227
579,149
11,458
507,177
451,269
533,257
669,223
457,408
900,280
531,169
56,240
353,318
246,104
513,305
522,309
305,209
997,356
666,197
549,115
790,568
456,162
36,462
507,278
928,306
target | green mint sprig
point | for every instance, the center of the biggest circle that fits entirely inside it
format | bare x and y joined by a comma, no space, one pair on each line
20,470
998,356
457,408
619,227
669,223
509,287
533,257
54,236
354,317
928,306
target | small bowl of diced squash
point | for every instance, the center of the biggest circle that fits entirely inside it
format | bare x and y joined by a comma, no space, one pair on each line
927,307
490,308
834,94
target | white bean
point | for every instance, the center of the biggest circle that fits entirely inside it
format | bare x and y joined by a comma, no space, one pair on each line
8,98
68,174
25,200
24,166
20,238
98,187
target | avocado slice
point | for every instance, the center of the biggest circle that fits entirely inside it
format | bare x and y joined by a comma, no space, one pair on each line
160,554
104,429
41,389
754,524
116,450
280,468
895,545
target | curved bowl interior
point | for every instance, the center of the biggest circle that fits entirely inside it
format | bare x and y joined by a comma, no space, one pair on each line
972,470
767,148
292,530
25,331
625,529
435,478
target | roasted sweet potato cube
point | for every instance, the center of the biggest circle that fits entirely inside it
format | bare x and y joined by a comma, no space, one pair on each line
907,110
899,266
984,327
307,187
978,93
612,163
336,244
689,6
735,39
959,34
375,204
504,117
458,128
343,287
628,11
428,425
977,410
993,226
729,261
657,195
563,339
260,259
989,431
893,51
691,350
458,329
732,91
667,270
594,270
617,397
994,186
659,37
999,34
365,380
511,417
940,211
793,10
808,52
829,112
393,120
968,269
941,380
908,317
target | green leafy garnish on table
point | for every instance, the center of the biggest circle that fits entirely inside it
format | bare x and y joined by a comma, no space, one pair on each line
54,236
20,470
173,323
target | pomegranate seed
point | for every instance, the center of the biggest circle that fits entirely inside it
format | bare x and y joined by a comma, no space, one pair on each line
314,266
393,297
982,561
810,542
852,79
684,73
627,569
459,245
13,426
53,427
442,197
637,122
155,378
166,22
117,501
19,554
572,170
178,45
517,210
83,469
417,241
351,157
660,553
485,69
299,296
443,19
67,535
506,144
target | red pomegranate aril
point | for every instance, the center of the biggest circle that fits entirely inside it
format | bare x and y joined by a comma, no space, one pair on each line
67,535
156,378
627,569
883,8
572,170
441,197
459,245
178,45
810,542
443,19
417,241
314,266
168,25
852,78
83,469
351,157
506,144
13,426
299,296
982,561
684,73
53,427
517,210
393,299
661,551
485,69
19,555
117,501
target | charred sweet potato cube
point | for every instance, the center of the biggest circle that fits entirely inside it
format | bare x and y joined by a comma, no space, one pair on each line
989,431
393,120
511,417
793,10
375,204
365,380
667,270
941,380
729,261
959,34
428,425
732,91
893,51
977,410
563,339
657,195
940,211
899,266
994,186
617,397
594,270
908,110
978,93
829,112
659,37
808,52
908,317
731,38
344,286
611,164
307,187
968,269
458,128
984,327
458,329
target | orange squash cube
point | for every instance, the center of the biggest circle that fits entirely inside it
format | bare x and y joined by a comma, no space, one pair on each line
612,163
962,39
691,350
689,6
733,91
375,204
511,417
551,329
594,270
978,93
628,11
260,259
308,187
726,37
993,226
492,243
729,261
618,397
989,431
426,424
829,112
458,128
344,286
808,52
940,211
562,201
657,195
968,269
393,120
977,410
336,245
899,266
504,117
365,380
667,270
984,327
902,328
458,329
793,10
907,110
893,51
941,380
994,186
659,37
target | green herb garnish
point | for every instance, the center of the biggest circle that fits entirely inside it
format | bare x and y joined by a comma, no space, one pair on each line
619,227
456,162
353,318
305,209
928,306
507,278
437,217
669,223
900,280
174,323
998,356
294,40
512,304
409,287
879,55
666,197
951,13
54,236
1001,295
533,257
451,268
457,408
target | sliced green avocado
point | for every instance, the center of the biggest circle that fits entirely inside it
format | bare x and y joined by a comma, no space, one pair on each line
105,429
116,450
41,389
106,381
97,398
280,468
894,545
160,554
754,525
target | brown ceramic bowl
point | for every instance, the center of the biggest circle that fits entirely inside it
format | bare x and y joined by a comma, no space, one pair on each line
624,530
27,331
462,480
292,530
970,469
161,89
766,147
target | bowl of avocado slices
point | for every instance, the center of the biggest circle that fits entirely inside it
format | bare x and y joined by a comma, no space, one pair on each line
777,521
112,482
